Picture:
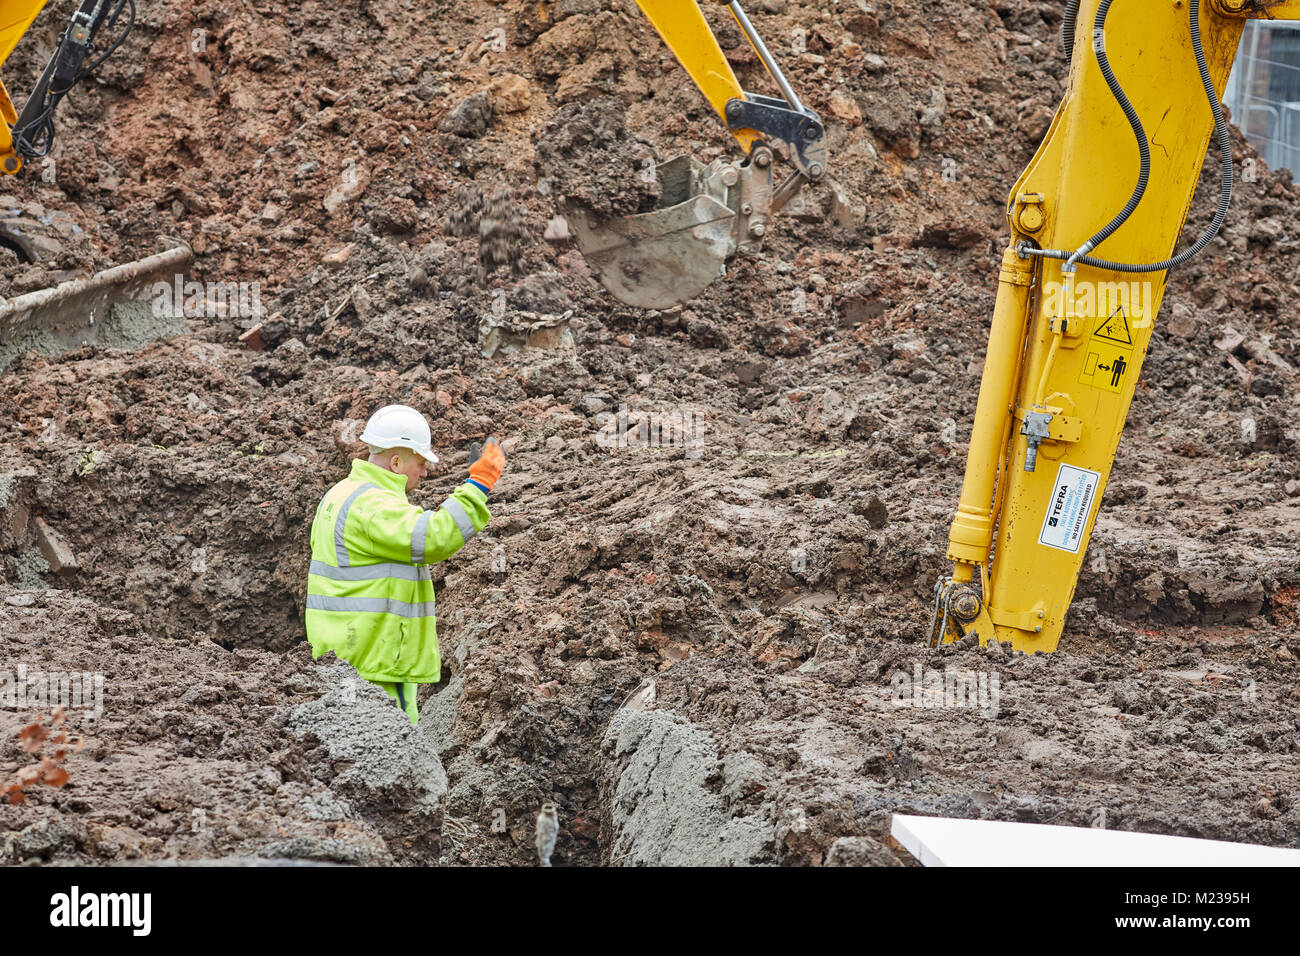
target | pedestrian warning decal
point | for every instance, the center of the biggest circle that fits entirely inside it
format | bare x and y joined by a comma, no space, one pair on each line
1109,357
1068,509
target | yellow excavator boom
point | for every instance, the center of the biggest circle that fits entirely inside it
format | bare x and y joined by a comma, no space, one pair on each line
687,34
1080,287
90,38
15,17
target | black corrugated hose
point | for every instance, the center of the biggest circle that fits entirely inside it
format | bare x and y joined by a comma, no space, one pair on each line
1225,152
1067,28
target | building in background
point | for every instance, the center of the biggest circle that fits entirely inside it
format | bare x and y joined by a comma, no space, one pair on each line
1264,91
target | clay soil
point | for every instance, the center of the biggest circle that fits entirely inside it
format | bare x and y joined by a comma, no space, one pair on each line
394,198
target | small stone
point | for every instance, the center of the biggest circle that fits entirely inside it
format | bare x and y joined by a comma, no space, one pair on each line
557,230
859,851
804,206
1230,340
471,116
335,258
54,548
510,93
845,108
23,599
352,183
845,213
362,303
253,338
1183,323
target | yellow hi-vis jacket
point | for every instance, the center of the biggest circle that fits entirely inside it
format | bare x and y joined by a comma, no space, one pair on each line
369,595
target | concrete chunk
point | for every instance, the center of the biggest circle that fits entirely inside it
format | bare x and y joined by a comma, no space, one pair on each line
55,549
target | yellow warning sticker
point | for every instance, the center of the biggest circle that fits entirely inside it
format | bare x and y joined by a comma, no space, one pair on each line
1115,329
1108,361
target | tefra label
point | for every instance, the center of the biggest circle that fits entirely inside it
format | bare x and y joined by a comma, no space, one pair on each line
1067,511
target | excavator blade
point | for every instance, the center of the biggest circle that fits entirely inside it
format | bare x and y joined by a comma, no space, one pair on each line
82,311
660,259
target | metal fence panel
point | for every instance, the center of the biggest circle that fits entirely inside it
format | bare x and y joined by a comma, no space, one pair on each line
1264,91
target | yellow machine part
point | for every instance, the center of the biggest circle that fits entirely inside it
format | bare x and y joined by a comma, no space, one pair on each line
15,17
684,29
1082,371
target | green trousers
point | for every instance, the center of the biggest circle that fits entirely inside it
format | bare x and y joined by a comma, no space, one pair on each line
404,694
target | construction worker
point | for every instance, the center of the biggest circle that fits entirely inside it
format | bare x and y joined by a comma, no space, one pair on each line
369,594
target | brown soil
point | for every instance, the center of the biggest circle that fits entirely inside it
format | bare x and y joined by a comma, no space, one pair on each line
772,581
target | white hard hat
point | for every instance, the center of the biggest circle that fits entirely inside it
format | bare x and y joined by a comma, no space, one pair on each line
399,426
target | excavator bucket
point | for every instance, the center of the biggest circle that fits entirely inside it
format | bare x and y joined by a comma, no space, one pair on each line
662,258
659,259
707,214
106,308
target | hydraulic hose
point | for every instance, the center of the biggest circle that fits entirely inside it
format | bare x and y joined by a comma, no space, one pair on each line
1225,152
1139,132
1068,28
33,133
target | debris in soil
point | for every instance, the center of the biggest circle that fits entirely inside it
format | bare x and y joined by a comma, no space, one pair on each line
466,211
548,828
42,248
471,116
588,157
390,774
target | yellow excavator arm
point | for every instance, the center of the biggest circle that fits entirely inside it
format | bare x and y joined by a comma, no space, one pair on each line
687,34
1094,222
15,17
682,26
31,133
707,214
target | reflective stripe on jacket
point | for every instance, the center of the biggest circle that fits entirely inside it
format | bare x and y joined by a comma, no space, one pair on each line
369,595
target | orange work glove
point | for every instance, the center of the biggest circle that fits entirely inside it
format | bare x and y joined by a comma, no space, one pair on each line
486,463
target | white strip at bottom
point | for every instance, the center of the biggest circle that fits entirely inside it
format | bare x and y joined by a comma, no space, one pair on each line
944,841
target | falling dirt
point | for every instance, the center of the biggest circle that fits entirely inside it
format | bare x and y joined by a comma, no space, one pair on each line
732,616
587,157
